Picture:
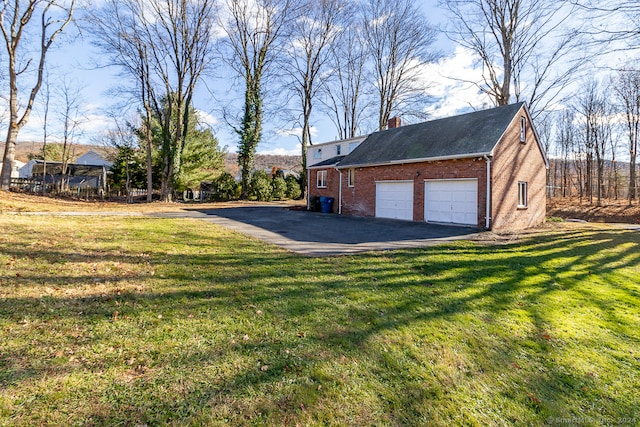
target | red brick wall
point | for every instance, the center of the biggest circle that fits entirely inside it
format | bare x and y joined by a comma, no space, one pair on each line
333,185
360,199
513,162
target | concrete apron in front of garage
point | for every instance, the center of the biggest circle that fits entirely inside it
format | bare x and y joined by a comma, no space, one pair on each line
317,234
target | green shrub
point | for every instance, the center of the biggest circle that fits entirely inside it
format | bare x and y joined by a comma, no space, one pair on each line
260,186
278,188
225,187
293,187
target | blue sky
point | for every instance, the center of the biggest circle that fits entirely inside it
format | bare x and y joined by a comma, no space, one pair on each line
75,59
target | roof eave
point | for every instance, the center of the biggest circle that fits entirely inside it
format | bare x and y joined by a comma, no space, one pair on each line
325,166
418,160
339,141
538,140
535,134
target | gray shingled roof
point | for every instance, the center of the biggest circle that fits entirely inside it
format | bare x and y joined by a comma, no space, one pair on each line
329,162
458,136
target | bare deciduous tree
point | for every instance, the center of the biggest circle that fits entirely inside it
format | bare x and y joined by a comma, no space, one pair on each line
45,19
346,101
399,40
123,137
595,116
254,29
180,40
45,131
117,32
614,23
70,118
566,141
166,45
627,89
314,31
525,47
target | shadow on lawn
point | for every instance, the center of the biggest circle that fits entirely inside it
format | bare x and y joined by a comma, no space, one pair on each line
316,314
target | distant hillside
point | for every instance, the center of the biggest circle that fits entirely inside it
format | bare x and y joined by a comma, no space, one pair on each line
266,162
23,149
263,161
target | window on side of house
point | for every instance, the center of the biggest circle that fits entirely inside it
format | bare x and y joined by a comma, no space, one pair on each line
317,154
338,150
321,179
523,129
351,175
522,194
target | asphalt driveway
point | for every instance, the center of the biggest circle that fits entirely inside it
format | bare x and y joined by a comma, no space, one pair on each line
317,234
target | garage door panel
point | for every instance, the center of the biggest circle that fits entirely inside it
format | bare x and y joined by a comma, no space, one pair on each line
464,218
440,211
451,201
394,200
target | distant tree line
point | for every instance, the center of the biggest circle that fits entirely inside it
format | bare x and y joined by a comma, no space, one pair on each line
594,143
356,62
202,165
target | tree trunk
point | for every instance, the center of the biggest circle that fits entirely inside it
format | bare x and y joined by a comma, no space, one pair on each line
145,92
306,141
9,156
580,177
599,178
588,180
616,188
166,189
149,158
565,172
632,178
251,130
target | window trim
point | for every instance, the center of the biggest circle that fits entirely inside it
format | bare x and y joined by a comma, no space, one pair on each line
523,195
523,129
351,175
321,179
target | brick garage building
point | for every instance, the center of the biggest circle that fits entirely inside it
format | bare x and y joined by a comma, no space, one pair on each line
484,169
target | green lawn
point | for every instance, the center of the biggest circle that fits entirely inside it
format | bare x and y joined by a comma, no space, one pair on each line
125,321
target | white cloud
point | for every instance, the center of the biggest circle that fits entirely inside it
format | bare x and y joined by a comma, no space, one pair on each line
92,124
281,151
207,118
95,124
451,83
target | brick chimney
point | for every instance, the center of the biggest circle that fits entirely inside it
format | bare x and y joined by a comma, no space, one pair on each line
394,122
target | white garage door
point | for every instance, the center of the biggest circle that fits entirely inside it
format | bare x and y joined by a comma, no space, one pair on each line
394,199
452,201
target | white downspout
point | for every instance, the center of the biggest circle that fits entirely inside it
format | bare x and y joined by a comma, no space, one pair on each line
488,211
340,193
308,189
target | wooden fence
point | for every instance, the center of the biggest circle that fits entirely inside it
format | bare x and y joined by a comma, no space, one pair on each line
34,186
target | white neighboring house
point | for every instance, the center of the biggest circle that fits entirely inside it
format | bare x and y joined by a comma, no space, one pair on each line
327,155
27,169
89,158
317,153
15,169
94,159
89,171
